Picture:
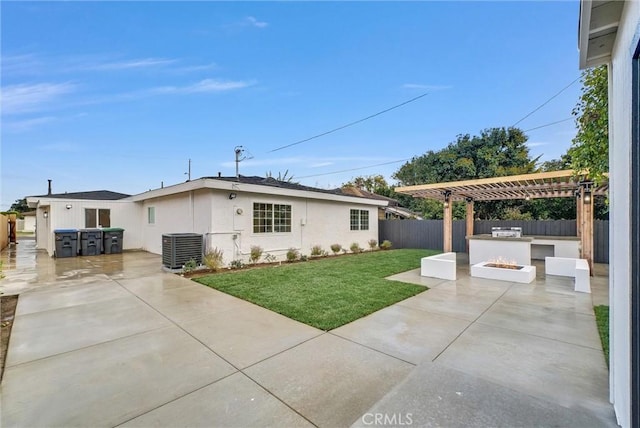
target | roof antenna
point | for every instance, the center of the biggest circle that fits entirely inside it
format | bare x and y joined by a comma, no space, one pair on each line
240,156
188,174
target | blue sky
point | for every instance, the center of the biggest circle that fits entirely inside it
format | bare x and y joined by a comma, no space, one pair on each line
119,95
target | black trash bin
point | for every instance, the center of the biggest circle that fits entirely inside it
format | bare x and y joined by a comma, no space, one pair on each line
112,240
90,242
66,242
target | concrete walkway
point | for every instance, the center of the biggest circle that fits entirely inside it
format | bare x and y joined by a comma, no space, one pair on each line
114,341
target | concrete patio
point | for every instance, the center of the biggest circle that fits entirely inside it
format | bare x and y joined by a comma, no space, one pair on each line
115,341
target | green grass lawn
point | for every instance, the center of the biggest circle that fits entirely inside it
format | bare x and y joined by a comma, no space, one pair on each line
602,320
328,292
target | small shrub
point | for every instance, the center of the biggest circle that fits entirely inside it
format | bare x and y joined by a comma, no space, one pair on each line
189,266
325,253
373,244
256,253
213,259
292,255
355,248
336,248
316,251
269,258
386,245
303,258
236,264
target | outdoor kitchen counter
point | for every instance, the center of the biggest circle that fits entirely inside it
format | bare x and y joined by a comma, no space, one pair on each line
483,248
488,237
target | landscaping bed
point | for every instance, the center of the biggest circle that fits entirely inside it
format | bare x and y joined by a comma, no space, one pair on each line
7,309
329,292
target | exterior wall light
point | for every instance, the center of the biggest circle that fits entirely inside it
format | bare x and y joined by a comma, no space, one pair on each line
586,198
447,198
69,206
232,195
45,214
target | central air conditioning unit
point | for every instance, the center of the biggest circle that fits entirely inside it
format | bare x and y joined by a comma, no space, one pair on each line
179,248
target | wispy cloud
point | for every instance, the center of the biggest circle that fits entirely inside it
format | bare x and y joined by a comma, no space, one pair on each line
537,144
250,21
24,125
128,64
24,98
23,64
426,87
203,86
195,68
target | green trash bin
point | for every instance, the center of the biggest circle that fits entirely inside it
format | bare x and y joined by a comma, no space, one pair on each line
112,240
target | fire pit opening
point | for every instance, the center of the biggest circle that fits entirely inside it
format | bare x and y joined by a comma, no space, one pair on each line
502,263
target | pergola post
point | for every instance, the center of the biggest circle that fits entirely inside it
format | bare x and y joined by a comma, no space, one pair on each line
447,241
579,214
586,220
469,219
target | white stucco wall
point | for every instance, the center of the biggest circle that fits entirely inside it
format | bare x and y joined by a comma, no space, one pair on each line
227,224
124,214
184,212
620,109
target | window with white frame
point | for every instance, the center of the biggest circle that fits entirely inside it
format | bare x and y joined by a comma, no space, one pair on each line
359,219
151,215
269,218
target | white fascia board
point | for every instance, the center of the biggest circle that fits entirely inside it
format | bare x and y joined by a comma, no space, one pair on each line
583,32
230,186
32,202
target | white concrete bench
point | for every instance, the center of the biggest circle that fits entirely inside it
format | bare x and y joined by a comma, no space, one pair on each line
575,268
441,266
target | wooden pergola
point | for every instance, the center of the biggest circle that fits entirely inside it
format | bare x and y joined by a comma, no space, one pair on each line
554,184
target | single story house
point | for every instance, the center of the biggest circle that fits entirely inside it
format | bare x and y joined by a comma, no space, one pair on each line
28,222
609,33
232,214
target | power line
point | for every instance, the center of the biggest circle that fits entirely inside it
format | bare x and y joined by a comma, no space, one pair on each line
548,124
405,160
350,124
548,101
354,169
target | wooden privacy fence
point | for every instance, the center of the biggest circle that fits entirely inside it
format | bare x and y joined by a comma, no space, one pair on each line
4,231
428,233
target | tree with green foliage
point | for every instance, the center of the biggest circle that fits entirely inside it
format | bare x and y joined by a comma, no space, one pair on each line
372,183
20,206
590,147
495,152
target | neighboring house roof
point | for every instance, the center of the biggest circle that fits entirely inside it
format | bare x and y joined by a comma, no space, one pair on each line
356,191
403,212
96,195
